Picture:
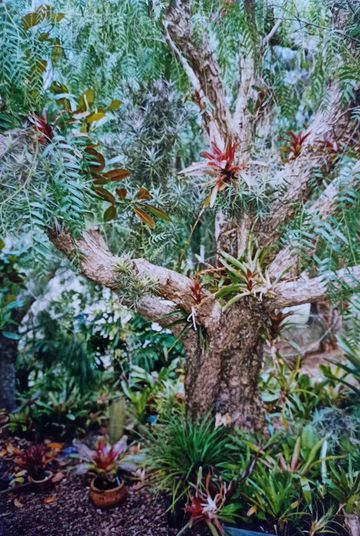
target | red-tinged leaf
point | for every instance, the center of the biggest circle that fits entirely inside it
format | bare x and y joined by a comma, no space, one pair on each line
96,116
143,193
105,194
110,213
97,160
122,192
303,138
158,212
114,105
145,217
117,174
57,477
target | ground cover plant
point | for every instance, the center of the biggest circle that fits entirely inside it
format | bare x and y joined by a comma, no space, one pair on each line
179,213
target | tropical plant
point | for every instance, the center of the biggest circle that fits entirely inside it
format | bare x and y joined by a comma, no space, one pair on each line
274,498
177,450
62,164
34,460
207,504
344,486
105,461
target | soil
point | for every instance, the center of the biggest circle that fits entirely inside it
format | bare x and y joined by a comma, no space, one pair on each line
69,513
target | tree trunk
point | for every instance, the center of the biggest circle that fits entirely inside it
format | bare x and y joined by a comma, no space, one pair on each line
223,373
8,354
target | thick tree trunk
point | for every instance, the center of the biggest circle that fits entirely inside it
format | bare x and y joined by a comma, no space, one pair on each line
223,373
8,354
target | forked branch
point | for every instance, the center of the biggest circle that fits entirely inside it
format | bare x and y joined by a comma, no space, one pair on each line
311,290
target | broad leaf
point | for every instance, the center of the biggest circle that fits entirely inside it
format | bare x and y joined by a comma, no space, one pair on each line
145,217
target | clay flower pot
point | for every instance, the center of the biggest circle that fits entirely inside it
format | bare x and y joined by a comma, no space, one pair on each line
106,498
44,484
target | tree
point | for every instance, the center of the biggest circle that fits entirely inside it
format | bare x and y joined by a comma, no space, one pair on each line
269,213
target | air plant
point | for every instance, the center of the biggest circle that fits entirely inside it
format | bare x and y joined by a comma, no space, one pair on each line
247,275
207,503
196,289
105,460
296,142
219,164
43,128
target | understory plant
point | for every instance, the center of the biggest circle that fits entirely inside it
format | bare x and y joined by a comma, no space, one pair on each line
35,461
178,449
207,503
105,461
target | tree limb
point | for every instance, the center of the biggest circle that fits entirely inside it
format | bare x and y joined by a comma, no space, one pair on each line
296,173
170,289
202,69
286,259
311,290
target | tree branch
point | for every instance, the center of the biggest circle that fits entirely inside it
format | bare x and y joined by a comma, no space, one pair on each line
98,264
203,70
296,174
286,259
312,290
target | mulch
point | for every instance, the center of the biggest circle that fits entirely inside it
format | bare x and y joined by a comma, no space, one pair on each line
71,514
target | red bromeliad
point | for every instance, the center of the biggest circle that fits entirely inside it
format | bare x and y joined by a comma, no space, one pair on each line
219,164
105,460
206,504
43,127
296,142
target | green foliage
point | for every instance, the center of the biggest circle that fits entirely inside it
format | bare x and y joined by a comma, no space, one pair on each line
56,407
117,415
178,449
11,286
344,486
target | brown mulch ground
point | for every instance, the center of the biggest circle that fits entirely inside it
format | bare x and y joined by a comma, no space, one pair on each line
71,514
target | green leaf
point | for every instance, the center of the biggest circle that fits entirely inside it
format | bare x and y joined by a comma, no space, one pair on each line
11,335
110,213
158,212
114,105
31,19
96,116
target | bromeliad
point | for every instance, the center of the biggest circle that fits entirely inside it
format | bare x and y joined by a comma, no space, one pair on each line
206,505
105,460
219,164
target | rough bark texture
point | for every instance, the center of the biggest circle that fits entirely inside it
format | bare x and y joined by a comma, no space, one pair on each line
224,349
8,355
203,71
222,377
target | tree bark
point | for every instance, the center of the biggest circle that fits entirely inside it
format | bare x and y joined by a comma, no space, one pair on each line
8,355
222,375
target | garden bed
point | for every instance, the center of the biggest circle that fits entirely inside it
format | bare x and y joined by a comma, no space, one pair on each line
66,511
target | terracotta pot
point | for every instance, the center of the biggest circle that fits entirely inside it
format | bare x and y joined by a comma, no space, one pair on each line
44,484
106,498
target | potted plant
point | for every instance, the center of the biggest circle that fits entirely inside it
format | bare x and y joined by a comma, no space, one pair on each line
34,460
107,488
